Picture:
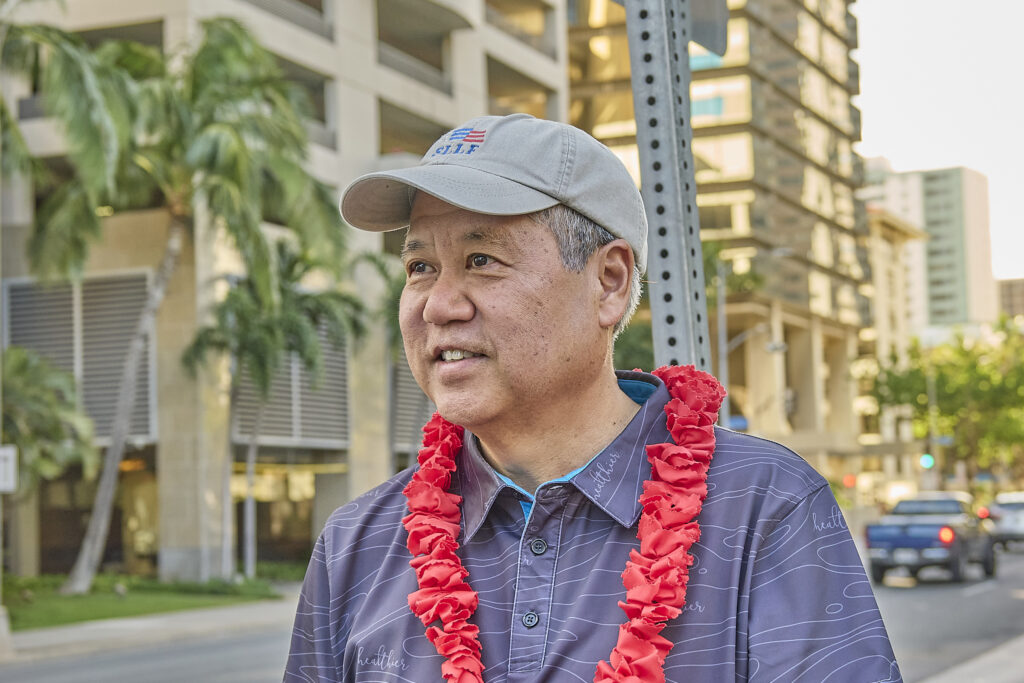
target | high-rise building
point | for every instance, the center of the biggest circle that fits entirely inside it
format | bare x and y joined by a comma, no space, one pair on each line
386,78
1011,297
774,129
951,275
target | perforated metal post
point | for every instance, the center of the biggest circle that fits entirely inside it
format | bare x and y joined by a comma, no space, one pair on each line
659,32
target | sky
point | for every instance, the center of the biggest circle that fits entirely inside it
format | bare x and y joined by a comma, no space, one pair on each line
942,84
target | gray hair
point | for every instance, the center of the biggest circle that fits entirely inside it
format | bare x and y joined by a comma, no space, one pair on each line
578,238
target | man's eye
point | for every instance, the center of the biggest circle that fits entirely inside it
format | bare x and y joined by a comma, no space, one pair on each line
417,267
480,260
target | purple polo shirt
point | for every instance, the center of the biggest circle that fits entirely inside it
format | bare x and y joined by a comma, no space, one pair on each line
777,591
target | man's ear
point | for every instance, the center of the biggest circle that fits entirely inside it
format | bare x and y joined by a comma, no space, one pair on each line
614,263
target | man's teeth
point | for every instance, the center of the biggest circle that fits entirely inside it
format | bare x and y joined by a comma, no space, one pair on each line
457,354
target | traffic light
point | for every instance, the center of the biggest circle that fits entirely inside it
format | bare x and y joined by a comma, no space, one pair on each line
927,461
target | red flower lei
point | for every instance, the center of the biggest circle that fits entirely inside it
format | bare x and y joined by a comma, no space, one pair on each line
655,576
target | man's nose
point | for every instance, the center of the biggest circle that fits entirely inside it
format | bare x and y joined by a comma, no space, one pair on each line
447,302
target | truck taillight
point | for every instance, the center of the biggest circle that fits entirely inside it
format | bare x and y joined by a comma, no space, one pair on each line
946,535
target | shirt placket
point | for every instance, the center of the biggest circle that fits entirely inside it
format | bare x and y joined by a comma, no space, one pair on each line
538,555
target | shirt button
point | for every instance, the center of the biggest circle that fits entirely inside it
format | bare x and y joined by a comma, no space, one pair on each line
538,546
530,619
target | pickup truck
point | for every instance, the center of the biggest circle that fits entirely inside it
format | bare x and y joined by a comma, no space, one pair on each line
932,530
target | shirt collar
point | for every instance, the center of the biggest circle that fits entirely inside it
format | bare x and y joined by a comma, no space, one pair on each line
613,479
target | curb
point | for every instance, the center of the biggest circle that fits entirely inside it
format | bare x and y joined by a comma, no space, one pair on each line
1001,664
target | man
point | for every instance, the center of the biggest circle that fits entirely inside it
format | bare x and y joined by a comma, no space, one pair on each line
506,554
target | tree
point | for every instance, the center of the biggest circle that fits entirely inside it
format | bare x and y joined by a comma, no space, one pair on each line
978,396
258,336
41,416
217,135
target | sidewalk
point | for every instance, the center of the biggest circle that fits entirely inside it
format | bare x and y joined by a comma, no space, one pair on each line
1002,664
110,634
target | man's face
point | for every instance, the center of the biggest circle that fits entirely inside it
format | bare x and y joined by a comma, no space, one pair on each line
495,328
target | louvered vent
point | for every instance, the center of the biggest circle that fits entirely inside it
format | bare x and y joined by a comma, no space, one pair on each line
42,320
297,414
410,408
277,420
324,410
110,313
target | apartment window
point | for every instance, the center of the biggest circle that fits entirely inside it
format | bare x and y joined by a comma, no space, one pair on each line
86,329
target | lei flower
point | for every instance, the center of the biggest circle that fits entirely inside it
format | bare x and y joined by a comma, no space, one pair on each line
656,574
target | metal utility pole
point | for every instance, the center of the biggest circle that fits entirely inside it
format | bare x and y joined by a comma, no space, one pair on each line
659,33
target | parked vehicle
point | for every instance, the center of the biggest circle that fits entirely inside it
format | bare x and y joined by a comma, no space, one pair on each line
1008,515
936,529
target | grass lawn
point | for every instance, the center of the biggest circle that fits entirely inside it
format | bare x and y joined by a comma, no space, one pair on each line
35,602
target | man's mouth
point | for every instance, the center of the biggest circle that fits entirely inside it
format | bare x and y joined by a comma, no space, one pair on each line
449,355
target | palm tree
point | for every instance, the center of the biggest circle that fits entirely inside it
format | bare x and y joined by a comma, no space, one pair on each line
218,134
41,416
258,336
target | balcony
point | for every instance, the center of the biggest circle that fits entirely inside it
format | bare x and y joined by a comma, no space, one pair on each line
319,91
853,78
404,133
413,38
528,22
393,58
511,91
307,14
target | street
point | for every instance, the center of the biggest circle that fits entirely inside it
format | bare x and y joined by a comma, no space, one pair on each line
255,657
934,624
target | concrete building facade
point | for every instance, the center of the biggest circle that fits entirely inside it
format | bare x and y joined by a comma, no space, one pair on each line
386,77
891,469
774,129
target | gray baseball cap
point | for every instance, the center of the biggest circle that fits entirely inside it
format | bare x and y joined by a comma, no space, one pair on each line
508,166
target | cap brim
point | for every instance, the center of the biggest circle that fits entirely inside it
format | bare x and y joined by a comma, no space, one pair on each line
382,201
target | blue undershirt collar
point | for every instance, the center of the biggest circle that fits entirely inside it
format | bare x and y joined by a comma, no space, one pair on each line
637,390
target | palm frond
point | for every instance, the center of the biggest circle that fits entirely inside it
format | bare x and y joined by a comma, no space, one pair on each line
64,226
91,101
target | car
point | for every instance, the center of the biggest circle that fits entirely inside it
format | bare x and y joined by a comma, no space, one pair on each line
1008,516
933,529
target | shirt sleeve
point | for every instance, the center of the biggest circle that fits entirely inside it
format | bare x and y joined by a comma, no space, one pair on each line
812,615
311,658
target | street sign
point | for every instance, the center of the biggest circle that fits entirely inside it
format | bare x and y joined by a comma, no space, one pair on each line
944,440
8,469
709,24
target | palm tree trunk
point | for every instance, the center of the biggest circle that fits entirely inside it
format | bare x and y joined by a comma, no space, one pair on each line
91,551
250,500
227,558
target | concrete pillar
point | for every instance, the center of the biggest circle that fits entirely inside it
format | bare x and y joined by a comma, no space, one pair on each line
469,73
21,515
805,365
766,379
369,456
841,388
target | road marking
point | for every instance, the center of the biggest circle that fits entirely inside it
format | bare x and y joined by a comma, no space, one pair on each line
978,589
